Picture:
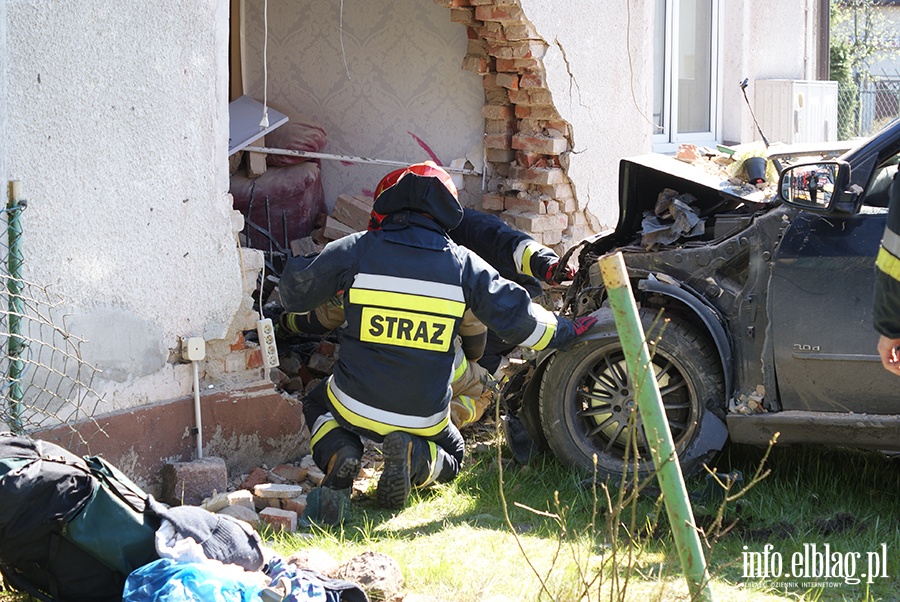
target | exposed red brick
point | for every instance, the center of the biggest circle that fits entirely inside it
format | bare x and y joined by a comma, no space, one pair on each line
472,34
527,159
541,177
534,222
540,144
501,141
551,237
239,343
521,31
508,80
492,202
532,80
452,3
496,111
255,359
257,476
502,12
517,50
499,126
491,31
568,205
523,64
476,64
514,203
476,47
465,16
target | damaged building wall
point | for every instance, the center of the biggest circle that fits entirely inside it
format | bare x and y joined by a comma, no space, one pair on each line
599,72
376,76
116,121
118,137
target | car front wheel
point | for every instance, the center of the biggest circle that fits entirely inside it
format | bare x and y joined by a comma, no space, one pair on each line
588,404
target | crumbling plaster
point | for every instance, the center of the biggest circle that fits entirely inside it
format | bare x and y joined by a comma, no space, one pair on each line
599,72
117,123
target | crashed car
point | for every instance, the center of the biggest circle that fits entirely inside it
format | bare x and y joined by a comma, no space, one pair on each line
760,321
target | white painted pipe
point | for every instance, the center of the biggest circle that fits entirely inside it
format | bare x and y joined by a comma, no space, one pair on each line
197,419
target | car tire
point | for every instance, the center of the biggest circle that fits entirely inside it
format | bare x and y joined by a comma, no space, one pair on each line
586,396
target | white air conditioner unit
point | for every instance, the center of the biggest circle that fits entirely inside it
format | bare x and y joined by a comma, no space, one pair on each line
793,111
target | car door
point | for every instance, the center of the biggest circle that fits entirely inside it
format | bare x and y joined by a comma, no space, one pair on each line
820,303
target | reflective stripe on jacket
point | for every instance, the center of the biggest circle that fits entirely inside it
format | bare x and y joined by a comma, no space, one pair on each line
405,292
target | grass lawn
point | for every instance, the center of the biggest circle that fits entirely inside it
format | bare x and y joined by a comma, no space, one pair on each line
453,542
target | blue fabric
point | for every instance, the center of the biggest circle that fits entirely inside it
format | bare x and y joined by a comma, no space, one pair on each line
167,580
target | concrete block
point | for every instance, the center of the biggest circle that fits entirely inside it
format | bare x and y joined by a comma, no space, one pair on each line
192,482
275,490
278,519
241,498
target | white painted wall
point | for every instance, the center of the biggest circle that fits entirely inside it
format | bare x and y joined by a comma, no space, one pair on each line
600,71
762,39
391,68
116,119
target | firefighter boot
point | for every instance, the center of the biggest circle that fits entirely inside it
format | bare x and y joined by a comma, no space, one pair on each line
406,465
343,467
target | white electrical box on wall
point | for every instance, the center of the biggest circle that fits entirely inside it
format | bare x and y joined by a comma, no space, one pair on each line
794,111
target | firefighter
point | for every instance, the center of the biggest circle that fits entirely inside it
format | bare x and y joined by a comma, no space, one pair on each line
516,256
887,286
404,289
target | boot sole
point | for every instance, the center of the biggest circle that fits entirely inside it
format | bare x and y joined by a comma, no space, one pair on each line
394,485
342,476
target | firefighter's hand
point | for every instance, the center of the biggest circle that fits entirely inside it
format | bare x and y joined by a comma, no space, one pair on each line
889,350
568,273
583,324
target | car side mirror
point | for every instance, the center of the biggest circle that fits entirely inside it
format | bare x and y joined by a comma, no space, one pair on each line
814,186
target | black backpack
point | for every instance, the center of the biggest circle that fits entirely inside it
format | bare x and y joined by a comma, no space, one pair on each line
71,528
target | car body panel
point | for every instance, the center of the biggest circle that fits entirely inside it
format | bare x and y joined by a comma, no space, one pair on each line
785,294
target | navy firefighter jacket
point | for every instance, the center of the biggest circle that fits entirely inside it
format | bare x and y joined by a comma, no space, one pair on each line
514,254
405,289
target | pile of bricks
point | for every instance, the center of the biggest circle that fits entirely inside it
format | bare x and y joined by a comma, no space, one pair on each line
526,141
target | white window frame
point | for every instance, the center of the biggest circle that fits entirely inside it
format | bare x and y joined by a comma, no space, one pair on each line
668,140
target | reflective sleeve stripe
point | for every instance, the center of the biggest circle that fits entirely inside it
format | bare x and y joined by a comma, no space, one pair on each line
891,242
468,404
324,425
436,462
381,421
888,263
410,286
544,330
460,363
444,307
522,255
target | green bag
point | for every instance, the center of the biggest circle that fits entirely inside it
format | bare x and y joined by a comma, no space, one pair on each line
113,525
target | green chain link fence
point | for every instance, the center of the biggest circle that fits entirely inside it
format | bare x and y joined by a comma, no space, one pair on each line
44,383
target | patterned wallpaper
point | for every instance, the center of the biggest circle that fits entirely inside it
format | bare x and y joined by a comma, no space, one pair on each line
403,58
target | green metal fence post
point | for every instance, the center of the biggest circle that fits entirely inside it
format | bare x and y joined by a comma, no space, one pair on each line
656,427
15,304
